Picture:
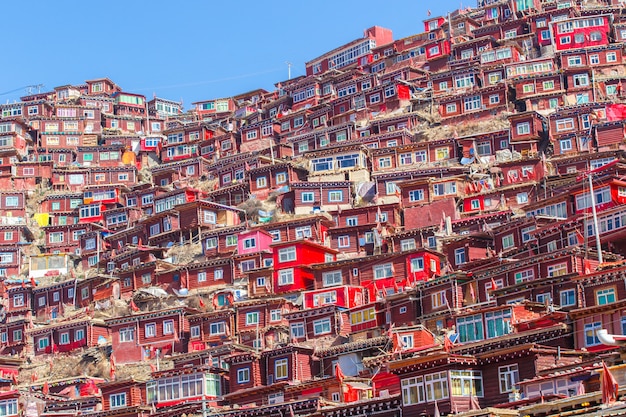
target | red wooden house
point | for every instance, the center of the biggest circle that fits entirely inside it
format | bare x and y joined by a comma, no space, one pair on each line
179,173
138,336
15,139
211,108
276,178
527,131
101,86
581,32
49,300
356,51
28,175
198,386
210,329
290,363
291,264
262,323
315,197
318,322
122,394
343,296
67,336
215,272
13,336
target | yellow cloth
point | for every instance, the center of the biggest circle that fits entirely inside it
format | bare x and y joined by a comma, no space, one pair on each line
42,219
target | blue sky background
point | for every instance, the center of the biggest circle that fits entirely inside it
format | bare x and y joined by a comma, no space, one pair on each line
187,50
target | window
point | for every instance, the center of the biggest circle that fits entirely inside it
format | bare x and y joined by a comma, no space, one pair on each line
590,333
303,232
465,383
231,240
508,376
168,327
287,254
17,335
43,343
472,103
557,270
417,264
436,386
275,315
568,298
508,242
605,296
383,271
281,370
285,277
611,57
581,80
413,391
407,244
459,256
523,276
308,197
332,278
470,328
261,182
321,326
65,338
498,323
297,330
118,400
343,241
194,331
335,196
79,334
243,375
416,195
249,243
150,330
220,327
451,108
18,300
438,299
252,318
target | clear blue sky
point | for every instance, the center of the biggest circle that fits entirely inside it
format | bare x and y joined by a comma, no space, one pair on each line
189,50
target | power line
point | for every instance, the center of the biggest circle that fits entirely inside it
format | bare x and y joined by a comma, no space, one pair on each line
37,86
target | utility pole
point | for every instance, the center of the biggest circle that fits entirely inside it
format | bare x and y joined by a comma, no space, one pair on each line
288,70
595,217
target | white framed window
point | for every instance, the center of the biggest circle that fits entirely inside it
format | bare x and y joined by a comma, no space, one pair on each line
252,318
194,332
219,327
459,256
383,271
407,244
243,375
285,276
281,369
261,182
117,400
508,242
127,334
150,330
287,254
523,128
321,326
335,196
343,241
297,330
308,197
275,315
568,298
332,278
168,327
417,264
591,339
439,299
